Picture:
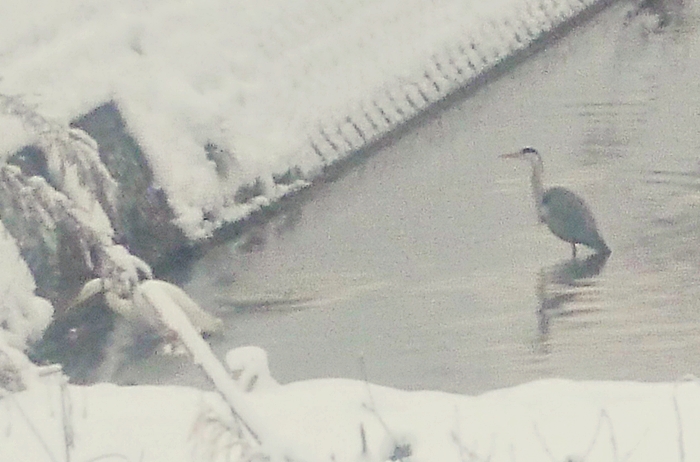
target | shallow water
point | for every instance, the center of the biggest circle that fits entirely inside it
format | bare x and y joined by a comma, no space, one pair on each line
424,265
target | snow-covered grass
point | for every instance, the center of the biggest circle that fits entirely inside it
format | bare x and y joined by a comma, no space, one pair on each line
30,314
23,315
347,420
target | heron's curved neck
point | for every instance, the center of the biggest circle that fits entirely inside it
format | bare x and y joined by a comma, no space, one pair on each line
536,180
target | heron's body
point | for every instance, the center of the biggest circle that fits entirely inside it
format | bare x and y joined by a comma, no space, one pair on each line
564,212
568,217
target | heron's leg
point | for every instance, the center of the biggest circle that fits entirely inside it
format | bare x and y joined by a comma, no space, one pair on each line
573,251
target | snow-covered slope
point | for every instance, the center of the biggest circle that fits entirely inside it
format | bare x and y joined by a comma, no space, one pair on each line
228,97
346,420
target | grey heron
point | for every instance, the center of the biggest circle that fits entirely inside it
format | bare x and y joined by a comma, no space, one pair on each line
564,212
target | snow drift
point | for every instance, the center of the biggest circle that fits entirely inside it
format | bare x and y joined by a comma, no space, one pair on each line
347,420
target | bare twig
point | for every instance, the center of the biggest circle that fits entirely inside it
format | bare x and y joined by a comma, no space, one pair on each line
613,442
67,418
629,453
679,420
8,430
363,438
107,456
401,451
543,442
463,449
215,436
30,424
176,320
372,407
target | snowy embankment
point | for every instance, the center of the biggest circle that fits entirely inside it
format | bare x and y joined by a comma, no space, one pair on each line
347,420
232,100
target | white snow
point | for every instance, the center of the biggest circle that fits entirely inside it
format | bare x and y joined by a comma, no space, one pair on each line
23,316
328,419
248,365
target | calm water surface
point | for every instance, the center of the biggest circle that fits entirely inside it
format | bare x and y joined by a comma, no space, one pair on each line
426,262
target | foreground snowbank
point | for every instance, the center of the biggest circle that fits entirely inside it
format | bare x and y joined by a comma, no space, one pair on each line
337,419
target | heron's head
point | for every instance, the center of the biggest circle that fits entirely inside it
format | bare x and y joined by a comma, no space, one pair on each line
526,153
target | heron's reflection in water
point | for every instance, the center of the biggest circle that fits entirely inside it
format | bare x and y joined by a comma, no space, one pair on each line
563,284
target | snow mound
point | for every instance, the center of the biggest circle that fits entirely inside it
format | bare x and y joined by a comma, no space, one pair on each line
249,367
348,420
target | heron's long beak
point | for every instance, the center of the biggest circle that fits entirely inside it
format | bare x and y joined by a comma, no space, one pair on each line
511,155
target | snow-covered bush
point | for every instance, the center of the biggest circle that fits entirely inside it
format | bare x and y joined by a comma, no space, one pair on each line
23,315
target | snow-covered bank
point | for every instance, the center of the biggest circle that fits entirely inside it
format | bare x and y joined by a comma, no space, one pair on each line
337,419
236,105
